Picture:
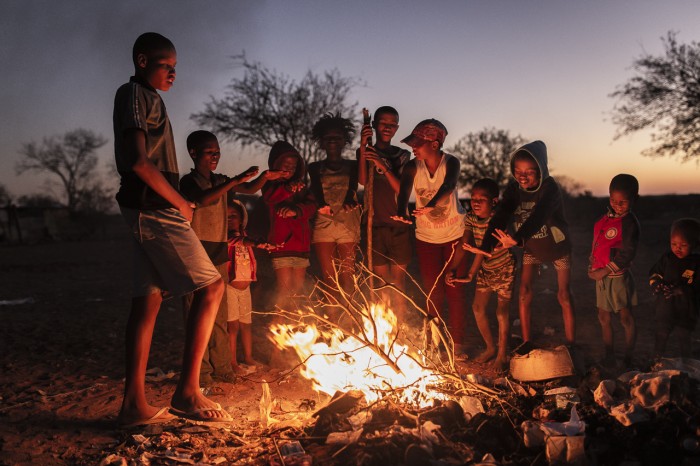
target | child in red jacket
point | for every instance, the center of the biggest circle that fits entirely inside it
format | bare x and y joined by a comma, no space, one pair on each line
291,207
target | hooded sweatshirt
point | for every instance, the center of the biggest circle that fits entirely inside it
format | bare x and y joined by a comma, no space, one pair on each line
293,232
537,214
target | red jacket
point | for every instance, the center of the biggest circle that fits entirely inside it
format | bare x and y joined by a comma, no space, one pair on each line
615,242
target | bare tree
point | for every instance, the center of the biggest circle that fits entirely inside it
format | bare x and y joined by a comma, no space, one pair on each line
70,157
664,96
485,154
265,106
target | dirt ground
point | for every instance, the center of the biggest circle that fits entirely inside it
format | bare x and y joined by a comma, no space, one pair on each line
63,311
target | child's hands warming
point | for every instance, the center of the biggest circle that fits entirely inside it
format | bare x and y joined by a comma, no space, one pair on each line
422,211
402,218
286,212
325,210
475,250
248,174
506,240
271,175
350,205
296,186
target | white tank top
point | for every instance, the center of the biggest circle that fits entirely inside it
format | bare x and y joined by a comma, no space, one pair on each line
446,221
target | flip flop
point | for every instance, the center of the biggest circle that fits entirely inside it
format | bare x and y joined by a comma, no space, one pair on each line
162,416
199,414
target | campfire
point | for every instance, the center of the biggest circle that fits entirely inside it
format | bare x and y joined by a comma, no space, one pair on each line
369,358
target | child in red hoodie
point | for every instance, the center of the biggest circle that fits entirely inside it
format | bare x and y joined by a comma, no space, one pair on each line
291,207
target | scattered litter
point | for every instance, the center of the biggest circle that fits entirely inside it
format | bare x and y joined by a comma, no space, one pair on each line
343,438
542,364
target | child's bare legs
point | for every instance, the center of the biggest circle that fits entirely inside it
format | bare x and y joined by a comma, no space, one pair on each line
503,317
525,299
290,282
627,321
205,305
606,329
566,301
481,299
346,257
139,332
247,343
232,327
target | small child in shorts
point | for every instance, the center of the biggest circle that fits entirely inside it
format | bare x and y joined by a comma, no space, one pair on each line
495,274
615,240
675,280
241,273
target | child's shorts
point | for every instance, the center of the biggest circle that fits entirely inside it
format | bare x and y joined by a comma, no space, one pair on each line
334,232
240,305
563,263
290,262
391,245
615,293
499,280
168,256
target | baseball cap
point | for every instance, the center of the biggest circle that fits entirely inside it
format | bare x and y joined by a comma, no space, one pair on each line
426,130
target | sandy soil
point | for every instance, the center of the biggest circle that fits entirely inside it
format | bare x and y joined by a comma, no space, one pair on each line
63,310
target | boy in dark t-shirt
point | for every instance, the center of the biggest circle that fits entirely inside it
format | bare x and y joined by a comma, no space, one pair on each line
158,217
208,190
391,241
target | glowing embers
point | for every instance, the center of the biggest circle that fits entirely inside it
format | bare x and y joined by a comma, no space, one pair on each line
365,357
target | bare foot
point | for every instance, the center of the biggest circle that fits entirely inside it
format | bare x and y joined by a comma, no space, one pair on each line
252,362
486,355
499,364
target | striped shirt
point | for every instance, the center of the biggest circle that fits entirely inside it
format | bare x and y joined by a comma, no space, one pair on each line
478,227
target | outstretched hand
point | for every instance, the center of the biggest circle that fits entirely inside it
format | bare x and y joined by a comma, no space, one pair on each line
402,219
286,212
506,240
422,211
248,174
296,186
271,175
474,250
325,210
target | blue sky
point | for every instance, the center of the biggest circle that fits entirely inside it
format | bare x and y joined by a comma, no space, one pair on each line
542,69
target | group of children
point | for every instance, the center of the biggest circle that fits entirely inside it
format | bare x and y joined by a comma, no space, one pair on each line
190,239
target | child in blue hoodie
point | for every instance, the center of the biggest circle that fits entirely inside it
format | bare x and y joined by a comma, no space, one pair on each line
533,202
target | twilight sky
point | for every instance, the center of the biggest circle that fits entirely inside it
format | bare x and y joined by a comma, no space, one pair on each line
543,69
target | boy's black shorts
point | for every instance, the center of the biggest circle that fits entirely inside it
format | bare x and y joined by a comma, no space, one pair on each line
391,245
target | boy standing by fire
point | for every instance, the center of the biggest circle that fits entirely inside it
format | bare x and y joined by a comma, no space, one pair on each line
169,260
615,240
208,191
391,241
